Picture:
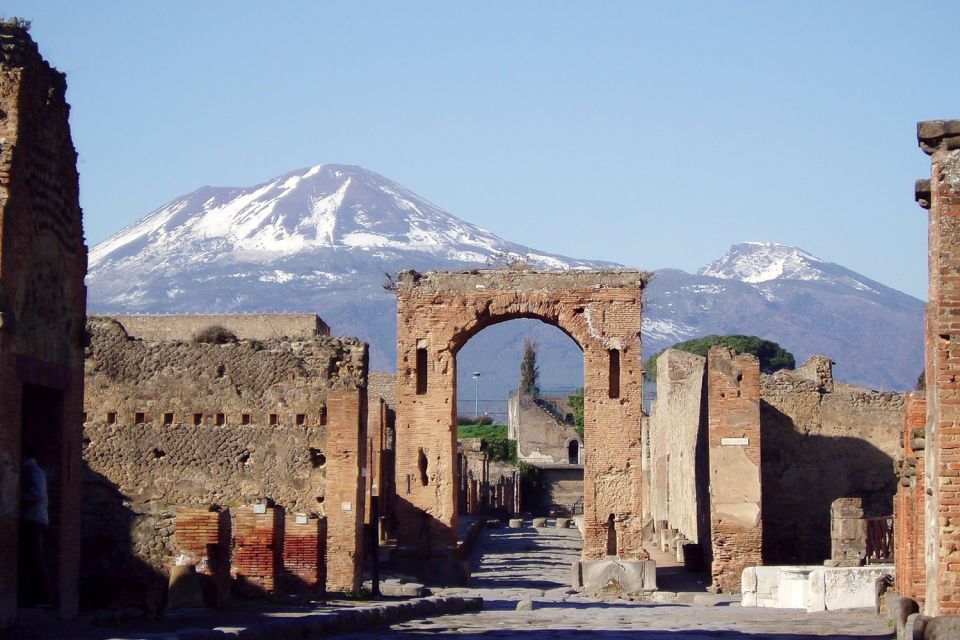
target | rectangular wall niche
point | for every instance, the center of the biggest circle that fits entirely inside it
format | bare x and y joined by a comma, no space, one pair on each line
421,371
614,384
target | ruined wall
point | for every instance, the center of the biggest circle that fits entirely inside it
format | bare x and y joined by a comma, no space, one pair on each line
438,312
941,139
908,511
173,424
677,440
248,326
542,437
43,261
736,518
822,440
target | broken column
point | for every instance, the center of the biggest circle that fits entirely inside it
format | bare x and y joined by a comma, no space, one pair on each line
848,533
736,524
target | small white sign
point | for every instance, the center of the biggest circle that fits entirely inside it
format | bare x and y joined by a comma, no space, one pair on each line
346,506
734,442
260,509
301,518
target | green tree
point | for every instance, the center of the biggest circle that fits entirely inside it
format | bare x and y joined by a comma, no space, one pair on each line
772,356
922,381
529,372
575,400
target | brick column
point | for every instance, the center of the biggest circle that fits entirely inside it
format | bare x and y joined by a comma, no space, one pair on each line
257,546
736,524
202,538
941,139
908,504
304,552
344,499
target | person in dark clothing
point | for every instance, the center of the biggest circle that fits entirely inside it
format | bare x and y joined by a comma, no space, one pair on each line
34,520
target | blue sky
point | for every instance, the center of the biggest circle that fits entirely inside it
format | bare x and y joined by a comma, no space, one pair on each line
651,134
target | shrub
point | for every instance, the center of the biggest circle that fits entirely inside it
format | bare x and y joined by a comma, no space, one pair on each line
214,334
772,356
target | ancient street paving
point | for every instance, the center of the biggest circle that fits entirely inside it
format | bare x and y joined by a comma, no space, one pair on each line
518,564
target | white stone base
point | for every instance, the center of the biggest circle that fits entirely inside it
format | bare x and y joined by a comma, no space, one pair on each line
614,576
812,587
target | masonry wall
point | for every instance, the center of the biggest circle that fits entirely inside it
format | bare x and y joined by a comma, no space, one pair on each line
822,440
248,326
677,445
439,311
542,430
941,139
908,512
173,424
736,518
42,300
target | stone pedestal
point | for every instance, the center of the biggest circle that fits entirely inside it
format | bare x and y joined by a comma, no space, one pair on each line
614,576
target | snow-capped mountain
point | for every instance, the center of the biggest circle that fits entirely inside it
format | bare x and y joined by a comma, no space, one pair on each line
320,239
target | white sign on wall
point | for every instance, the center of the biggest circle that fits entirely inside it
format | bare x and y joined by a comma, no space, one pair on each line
734,442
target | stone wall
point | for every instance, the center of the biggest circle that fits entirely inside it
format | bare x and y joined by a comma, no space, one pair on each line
822,440
248,326
542,430
677,453
43,261
736,517
173,424
438,312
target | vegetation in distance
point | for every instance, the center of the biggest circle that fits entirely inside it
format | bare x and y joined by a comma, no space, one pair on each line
498,446
772,356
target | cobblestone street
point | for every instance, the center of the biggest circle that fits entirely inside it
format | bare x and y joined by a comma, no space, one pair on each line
518,564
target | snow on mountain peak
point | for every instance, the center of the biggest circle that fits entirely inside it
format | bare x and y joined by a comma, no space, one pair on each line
756,262
323,207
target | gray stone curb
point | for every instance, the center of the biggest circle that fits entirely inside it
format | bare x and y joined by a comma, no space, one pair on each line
326,623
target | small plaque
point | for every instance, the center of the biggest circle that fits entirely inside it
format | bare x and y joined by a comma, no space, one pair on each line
346,506
301,518
734,442
260,509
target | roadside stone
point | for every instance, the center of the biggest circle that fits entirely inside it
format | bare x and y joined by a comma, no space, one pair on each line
516,523
539,523
525,605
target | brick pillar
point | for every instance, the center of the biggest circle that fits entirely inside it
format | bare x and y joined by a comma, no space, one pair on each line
202,538
257,541
736,524
344,499
908,504
304,552
941,139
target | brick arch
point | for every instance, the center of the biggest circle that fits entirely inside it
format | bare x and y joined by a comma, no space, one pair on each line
438,312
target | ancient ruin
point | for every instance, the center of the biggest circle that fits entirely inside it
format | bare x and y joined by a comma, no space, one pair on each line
800,422
43,261
438,312
252,428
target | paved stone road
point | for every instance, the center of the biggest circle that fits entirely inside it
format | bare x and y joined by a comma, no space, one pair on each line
518,564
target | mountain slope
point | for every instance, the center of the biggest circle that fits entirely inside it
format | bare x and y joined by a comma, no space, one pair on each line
320,239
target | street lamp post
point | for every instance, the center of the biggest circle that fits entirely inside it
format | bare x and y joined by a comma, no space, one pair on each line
476,395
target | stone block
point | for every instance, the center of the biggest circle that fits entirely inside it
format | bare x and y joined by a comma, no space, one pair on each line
942,628
185,591
515,523
915,626
845,587
614,576
563,523
540,523
435,572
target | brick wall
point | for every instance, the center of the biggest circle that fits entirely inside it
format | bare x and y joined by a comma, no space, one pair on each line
908,512
941,139
736,523
304,552
438,312
42,297
257,548
202,538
